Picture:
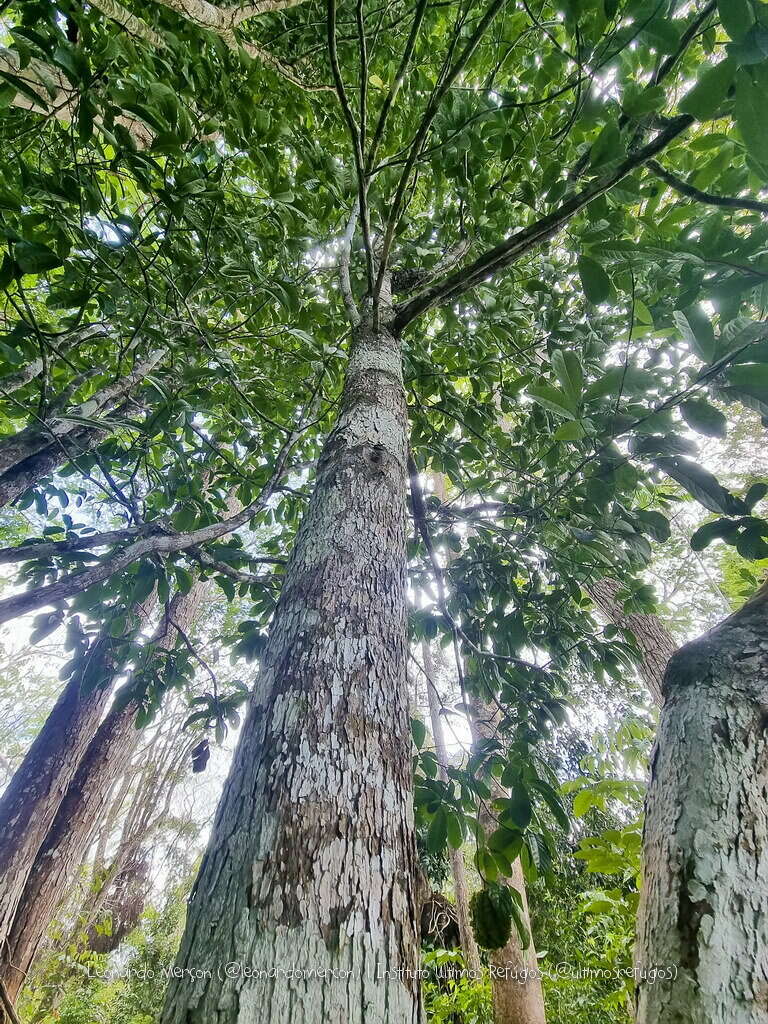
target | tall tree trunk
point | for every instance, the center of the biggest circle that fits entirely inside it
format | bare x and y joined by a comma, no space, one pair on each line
518,997
63,850
656,643
32,798
458,870
704,906
312,859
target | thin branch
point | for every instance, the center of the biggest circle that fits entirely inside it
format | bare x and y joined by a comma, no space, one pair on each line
420,518
682,186
209,562
411,280
685,40
157,544
355,136
132,24
44,549
426,122
353,314
396,85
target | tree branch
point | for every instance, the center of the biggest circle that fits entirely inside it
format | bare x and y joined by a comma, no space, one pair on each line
353,314
523,241
429,115
355,135
63,104
682,186
158,544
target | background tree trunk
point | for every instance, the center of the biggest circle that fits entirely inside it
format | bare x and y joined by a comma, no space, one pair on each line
656,643
32,798
63,850
704,905
514,1001
312,859
458,869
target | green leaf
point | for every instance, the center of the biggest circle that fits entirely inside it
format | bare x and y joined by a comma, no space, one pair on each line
701,485
751,543
750,379
736,17
706,97
723,529
184,579
553,399
454,831
755,494
585,800
608,146
34,258
570,431
704,418
594,280
519,808
554,802
437,835
646,101
609,384
520,926
750,111
569,372
418,732
696,329
655,524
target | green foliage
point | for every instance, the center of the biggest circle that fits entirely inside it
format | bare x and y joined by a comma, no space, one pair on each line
189,200
450,993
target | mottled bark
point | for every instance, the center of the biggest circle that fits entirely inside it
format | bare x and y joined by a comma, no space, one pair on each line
656,643
704,907
312,859
63,850
458,870
518,997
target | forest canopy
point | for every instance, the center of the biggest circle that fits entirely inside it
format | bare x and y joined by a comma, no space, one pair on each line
371,374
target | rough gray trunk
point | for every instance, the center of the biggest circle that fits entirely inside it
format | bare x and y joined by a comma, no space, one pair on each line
656,643
312,859
518,997
458,870
63,850
703,918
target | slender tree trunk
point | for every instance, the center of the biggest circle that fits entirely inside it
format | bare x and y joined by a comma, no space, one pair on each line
518,997
32,798
656,643
458,869
63,850
312,859
703,916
